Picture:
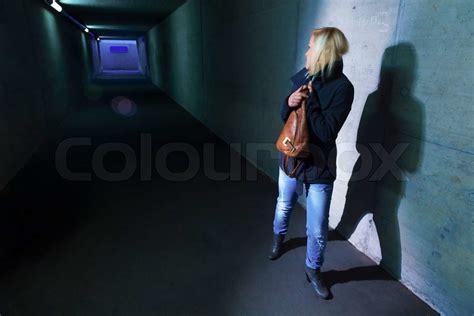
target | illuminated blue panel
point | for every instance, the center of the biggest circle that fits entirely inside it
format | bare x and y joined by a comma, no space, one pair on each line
119,49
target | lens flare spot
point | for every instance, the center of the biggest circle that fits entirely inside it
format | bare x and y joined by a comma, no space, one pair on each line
123,106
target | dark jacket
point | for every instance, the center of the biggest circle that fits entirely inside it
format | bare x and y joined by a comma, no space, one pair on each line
336,94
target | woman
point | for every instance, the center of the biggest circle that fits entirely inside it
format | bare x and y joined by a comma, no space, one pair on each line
323,76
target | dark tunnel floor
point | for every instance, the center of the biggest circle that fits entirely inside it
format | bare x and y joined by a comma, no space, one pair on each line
165,247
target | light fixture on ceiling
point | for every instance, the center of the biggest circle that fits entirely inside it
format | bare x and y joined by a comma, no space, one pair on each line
98,38
56,6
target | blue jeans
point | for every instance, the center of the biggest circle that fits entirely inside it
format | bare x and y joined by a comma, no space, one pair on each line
318,201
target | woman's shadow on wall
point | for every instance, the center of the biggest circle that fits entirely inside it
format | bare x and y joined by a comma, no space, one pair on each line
388,141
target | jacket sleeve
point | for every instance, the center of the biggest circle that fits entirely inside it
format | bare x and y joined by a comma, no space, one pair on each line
285,108
326,124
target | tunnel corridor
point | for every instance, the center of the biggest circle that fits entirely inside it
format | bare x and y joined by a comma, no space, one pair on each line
160,247
129,185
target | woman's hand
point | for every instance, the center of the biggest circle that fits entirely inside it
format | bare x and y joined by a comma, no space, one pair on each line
298,96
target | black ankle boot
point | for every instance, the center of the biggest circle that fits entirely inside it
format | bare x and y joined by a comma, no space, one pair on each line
315,278
276,246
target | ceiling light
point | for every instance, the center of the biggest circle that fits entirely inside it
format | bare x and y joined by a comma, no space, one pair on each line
56,6
86,30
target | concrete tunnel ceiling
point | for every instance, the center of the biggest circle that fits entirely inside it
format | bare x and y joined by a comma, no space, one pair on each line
127,18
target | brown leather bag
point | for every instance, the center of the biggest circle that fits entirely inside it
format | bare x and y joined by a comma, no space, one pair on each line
294,139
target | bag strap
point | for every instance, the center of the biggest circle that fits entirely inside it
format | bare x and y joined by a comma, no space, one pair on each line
295,167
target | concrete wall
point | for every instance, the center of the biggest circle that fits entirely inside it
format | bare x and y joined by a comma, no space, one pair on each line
229,63
143,62
44,64
175,57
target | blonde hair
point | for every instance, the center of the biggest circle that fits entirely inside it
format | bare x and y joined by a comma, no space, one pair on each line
329,44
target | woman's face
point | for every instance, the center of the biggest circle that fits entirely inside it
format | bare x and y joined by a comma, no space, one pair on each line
309,52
